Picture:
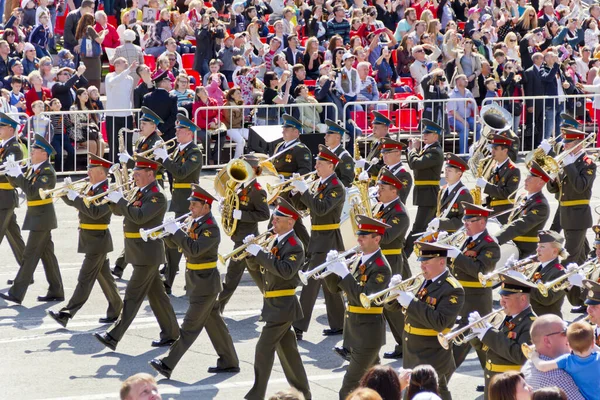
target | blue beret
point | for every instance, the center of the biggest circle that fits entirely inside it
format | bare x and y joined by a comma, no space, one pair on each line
332,127
430,126
381,119
41,143
6,120
289,121
150,116
185,122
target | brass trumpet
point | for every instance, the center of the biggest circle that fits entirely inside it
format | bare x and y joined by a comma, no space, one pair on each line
286,185
99,199
524,266
527,350
155,233
458,336
78,186
240,253
562,282
383,297
320,271
169,144
21,163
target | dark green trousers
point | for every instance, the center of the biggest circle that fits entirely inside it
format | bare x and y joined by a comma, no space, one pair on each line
10,229
360,361
173,256
479,300
577,246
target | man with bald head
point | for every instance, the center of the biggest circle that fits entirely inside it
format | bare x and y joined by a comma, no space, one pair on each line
549,335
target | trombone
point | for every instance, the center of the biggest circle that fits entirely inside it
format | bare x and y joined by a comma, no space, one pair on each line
169,144
283,186
78,186
459,337
562,282
384,297
320,272
240,253
155,233
521,266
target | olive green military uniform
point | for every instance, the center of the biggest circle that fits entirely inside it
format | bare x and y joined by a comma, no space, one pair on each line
434,309
279,269
403,176
503,182
203,284
184,166
503,346
553,303
254,208
325,205
345,168
95,241
40,220
530,217
427,168
477,256
146,211
375,151
9,201
515,147
450,209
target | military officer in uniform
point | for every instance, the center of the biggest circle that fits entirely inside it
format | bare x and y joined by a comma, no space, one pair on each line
433,309
95,242
478,254
592,301
40,220
199,239
333,140
391,152
146,210
373,162
426,164
451,197
9,200
279,268
364,331
502,345
184,165
325,204
253,209
164,104
504,180
529,214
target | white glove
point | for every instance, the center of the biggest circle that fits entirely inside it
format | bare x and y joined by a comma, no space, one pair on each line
13,170
161,152
453,252
339,268
571,266
511,261
253,249
489,147
332,255
471,150
300,186
374,191
442,235
115,196
364,176
474,316
171,227
569,159
405,298
124,157
576,280
248,238
360,163
220,205
67,181
237,214
373,161
481,330
481,182
281,179
546,146
396,279
434,225
72,195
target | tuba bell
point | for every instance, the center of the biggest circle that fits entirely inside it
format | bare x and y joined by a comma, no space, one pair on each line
237,171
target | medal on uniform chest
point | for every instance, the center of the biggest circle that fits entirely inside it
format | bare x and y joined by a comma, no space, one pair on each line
145,146
274,251
422,293
288,158
537,276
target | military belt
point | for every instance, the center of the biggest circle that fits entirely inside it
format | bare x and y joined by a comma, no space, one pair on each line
286,174
326,227
571,203
6,186
182,186
495,203
501,368
362,310
427,183
391,252
473,284
94,227
528,239
35,203
422,331
132,235
280,293
208,265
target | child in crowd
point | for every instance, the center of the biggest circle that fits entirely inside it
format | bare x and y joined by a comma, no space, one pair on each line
38,124
95,101
491,88
17,98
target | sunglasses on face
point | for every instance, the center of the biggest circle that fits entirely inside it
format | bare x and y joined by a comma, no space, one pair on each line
419,51
561,333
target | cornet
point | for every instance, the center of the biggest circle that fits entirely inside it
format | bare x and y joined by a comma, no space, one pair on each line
521,266
458,336
383,297
562,282
169,144
240,252
58,192
320,272
155,234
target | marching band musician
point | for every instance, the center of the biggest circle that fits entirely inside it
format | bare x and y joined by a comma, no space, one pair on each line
479,253
364,330
279,276
253,209
502,345
529,214
95,241
433,309
325,205
200,245
515,145
333,140
391,152
9,200
381,127
592,302
451,196
40,220
426,164
184,167
146,210
505,178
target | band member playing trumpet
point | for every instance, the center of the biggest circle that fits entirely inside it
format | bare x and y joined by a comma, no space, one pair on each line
479,253
426,164
371,276
146,211
325,205
184,167
40,220
391,152
200,243
451,196
95,242
333,140
373,162
253,209
592,301
433,309
502,345
504,180
529,214
279,273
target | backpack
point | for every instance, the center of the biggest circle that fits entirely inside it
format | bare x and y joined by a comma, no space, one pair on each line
90,48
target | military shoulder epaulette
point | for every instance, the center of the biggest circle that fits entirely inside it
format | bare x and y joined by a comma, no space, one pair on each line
105,187
559,266
587,160
292,241
257,185
538,200
155,189
379,262
334,181
532,317
488,239
209,221
398,207
344,153
463,190
453,282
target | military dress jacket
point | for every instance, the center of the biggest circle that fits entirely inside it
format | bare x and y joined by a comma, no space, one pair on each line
297,160
200,245
94,235
553,303
451,206
146,211
40,214
254,208
345,168
8,194
392,242
279,271
403,176
502,183
185,166
145,144
574,186
426,165
375,152
479,255
164,104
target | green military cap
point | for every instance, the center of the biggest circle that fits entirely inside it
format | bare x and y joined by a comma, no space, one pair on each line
593,292
568,121
291,122
550,237
41,143
7,120
428,251
512,284
368,225
199,194
455,161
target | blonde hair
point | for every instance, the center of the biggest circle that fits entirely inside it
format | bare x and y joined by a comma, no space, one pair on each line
132,380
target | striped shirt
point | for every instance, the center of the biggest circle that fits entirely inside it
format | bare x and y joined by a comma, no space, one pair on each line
182,97
558,377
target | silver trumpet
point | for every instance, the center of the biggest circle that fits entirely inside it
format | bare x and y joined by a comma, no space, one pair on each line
459,336
158,232
320,272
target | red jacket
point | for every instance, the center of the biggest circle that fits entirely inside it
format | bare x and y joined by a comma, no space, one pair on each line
31,96
205,117
111,40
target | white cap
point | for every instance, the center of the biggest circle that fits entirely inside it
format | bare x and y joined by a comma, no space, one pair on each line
347,55
128,35
426,396
28,46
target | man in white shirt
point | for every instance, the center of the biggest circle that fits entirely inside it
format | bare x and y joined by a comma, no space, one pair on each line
423,63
